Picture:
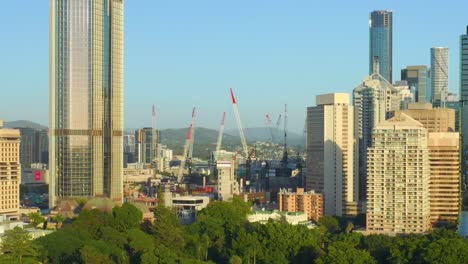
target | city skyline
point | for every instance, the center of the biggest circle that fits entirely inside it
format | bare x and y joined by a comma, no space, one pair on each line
259,49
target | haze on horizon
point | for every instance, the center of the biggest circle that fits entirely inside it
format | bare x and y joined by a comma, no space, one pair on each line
180,54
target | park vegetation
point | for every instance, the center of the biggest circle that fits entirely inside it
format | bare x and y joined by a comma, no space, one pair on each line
221,234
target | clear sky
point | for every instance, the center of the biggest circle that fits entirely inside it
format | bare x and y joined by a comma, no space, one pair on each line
185,53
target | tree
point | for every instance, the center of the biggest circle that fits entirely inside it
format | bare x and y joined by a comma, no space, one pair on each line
17,247
447,250
126,217
235,260
340,252
59,220
330,223
36,219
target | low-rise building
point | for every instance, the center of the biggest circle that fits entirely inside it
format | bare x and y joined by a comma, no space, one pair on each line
309,202
293,218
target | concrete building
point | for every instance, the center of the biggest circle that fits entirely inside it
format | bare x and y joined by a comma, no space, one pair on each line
309,202
10,172
464,103
444,184
86,99
418,77
34,147
433,119
380,44
227,183
439,74
293,218
330,153
453,102
146,144
398,178
372,100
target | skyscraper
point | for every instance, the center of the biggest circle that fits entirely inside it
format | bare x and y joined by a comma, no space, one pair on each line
439,74
331,152
417,77
464,101
86,98
398,177
380,43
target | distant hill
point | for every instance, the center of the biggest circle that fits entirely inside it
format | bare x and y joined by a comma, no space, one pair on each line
263,134
23,123
205,141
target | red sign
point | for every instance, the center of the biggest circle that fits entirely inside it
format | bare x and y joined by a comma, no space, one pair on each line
38,175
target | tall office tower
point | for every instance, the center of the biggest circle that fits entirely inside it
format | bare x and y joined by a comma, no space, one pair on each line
464,103
372,99
10,172
86,98
145,147
309,202
330,153
417,77
439,75
444,159
380,43
398,177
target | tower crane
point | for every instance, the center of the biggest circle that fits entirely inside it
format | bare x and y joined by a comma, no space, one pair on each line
180,173
190,151
269,125
284,160
220,136
239,125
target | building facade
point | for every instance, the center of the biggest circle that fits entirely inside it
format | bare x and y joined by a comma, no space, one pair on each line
86,99
309,202
147,141
227,183
330,153
439,75
418,77
398,178
444,184
433,119
10,172
380,42
464,103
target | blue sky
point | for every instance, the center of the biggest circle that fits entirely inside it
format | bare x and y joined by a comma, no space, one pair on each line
185,53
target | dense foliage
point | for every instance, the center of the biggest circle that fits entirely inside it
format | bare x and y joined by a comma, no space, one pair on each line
222,235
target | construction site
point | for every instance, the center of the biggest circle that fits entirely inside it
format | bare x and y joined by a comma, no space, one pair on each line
252,175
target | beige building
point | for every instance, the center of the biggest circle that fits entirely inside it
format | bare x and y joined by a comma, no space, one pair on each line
433,119
398,177
444,159
330,153
10,172
309,202
227,183
444,185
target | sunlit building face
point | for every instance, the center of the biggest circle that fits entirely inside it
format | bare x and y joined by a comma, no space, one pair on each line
86,93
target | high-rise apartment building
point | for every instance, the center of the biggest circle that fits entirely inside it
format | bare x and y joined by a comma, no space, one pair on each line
86,98
464,103
433,119
417,77
398,175
309,202
444,184
380,41
330,153
444,159
372,99
439,75
10,172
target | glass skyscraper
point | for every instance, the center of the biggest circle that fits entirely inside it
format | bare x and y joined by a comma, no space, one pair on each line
417,77
439,74
380,43
464,102
86,99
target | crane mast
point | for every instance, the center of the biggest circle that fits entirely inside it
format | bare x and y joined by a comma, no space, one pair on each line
239,124
269,125
220,136
190,151
180,173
